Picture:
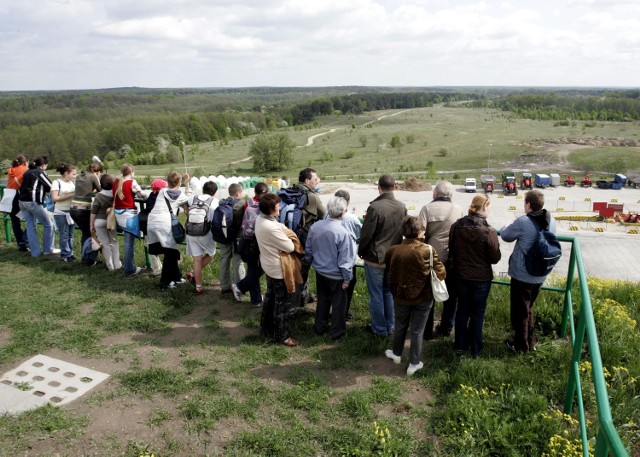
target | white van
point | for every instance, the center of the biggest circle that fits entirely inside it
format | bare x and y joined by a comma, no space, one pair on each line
470,185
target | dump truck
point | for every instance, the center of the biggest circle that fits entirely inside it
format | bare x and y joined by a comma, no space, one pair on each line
488,183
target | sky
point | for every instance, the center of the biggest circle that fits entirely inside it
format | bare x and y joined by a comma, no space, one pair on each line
91,44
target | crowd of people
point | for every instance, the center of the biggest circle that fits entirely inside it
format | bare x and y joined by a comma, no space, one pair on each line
399,251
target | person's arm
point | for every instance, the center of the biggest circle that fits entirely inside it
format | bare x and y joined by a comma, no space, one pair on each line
511,232
438,267
368,229
345,260
308,248
281,241
137,190
493,247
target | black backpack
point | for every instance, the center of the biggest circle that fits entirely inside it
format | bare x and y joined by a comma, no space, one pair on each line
543,254
222,221
198,223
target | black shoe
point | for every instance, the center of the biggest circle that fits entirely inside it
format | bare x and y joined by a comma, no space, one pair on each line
440,331
369,328
24,248
349,317
512,346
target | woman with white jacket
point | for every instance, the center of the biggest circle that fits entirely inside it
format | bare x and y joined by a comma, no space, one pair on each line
159,234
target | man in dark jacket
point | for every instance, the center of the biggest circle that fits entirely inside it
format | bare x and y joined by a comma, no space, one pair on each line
381,229
313,211
525,287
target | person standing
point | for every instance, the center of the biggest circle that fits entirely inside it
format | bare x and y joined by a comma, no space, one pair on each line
354,227
329,250
125,191
380,230
476,249
409,276
202,248
249,250
62,191
35,184
313,211
438,217
231,266
98,224
525,287
87,183
273,240
160,234
14,181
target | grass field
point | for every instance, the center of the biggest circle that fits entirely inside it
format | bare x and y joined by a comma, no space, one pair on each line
191,376
432,140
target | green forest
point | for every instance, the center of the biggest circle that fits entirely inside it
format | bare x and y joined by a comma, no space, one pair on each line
148,126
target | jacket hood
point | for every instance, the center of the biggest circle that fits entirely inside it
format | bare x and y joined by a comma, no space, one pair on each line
542,218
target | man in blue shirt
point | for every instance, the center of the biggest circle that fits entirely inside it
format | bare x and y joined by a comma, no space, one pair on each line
525,287
329,249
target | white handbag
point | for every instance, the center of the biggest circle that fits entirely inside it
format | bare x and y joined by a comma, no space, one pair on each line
438,286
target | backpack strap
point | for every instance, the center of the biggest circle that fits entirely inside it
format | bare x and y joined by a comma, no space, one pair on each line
169,206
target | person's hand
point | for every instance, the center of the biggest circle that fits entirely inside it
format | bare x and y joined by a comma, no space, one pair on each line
345,285
185,179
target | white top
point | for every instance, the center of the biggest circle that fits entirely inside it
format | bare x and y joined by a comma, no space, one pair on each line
64,187
272,239
159,222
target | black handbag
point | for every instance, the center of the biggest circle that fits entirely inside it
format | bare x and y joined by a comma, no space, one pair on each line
177,229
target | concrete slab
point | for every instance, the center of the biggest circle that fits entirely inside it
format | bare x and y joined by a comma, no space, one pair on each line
41,380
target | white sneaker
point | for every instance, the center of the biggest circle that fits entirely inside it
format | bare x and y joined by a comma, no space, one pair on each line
138,271
390,355
236,293
413,368
182,281
54,252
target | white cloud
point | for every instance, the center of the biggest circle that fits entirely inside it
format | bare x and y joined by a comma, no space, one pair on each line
88,43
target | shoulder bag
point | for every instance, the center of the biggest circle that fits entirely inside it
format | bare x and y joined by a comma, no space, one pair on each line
438,286
176,227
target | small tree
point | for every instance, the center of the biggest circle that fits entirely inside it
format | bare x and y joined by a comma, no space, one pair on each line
363,140
272,153
395,141
410,139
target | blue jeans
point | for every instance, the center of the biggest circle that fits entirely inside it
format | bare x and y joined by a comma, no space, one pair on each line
380,300
251,282
129,251
472,303
33,213
65,236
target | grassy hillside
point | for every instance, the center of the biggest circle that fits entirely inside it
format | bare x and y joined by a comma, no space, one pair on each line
191,376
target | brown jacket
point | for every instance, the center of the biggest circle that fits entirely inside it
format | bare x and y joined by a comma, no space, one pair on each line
408,271
474,246
291,263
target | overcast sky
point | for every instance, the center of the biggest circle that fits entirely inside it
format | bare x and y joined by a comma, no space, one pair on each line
90,44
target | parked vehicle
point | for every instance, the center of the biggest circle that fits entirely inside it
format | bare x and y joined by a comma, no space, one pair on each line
509,184
586,182
543,180
470,185
569,182
526,181
488,183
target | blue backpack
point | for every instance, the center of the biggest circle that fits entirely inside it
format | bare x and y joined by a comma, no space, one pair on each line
543,254
292,202
222,220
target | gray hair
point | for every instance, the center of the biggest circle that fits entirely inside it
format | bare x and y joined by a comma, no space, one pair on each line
443,189
336,207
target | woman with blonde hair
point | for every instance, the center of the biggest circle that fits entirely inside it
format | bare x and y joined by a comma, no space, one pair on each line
474,247
125,190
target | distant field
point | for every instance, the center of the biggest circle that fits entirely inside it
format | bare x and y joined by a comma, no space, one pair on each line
432,140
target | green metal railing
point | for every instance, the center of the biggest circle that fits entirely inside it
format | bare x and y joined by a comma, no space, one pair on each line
608,441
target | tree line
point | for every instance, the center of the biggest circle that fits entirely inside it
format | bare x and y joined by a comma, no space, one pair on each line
619,106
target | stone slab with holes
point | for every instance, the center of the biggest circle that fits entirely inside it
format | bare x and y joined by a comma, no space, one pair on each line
41,380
